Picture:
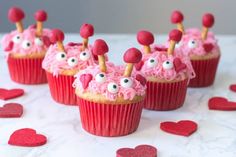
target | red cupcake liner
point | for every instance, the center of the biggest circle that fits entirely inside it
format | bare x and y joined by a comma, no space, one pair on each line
26,70
205,72
110,120
61,88
165,96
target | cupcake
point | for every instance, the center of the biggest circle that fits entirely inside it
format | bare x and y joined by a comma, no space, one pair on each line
110,97
26,48
202,48
63,62
167,72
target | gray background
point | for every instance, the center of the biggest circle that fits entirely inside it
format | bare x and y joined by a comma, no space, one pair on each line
123,16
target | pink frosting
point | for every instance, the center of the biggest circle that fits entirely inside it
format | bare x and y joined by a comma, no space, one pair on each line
50,63
27,35
114,74
195,34
171,73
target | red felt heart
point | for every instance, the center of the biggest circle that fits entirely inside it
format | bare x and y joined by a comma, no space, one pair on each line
233,87
208,47
220,103
6,94
139,151
9,46
160,49
85,79
11,110
27,137
179,65
183,127
141,79
139,65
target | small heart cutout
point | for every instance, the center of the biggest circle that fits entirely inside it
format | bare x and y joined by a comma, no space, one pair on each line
27,137
11,110
139,151
85,79
161,48
139,65
6,94
9,46
179,65
221,103
208,47
183,127
46,41
141,79
233,87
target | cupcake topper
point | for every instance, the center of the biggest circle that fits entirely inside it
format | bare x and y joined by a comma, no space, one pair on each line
145,38
40,16
58,37
86,31
177,18
207,22
174,36
16,15
100,48
131,57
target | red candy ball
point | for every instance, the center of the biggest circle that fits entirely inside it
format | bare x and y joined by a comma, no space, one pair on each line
57,35
132,55
41,16
177,17
208,20
175,35
100,47
145,38
86,30
15,14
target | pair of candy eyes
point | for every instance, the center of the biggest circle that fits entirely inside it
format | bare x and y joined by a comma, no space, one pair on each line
191,44
26,44
152,62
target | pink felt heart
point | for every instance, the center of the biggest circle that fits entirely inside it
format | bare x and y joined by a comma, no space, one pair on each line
6,94
233,87
11,110
139,65
139,151
179,65
183,127
27,137
85,79
208,47
221,103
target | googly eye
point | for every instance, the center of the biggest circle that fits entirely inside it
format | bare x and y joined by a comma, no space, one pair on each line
126,82
84,56
61,56
101,77
26,44
38,41
113,87
179,44
192,44
167,65
16,39
72,61
152,62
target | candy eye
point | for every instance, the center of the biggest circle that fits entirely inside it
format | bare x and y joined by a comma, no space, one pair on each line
26,44
72,61
179,44
167,65
152,62
192,44
38,41
126,82
101,77
61,56
84,56
113,88
16,39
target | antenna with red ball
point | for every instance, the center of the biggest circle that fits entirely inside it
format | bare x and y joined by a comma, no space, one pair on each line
207,22
58,37
174,36
131,57
177,18
100,48
16,15
145,38
86,31
40,16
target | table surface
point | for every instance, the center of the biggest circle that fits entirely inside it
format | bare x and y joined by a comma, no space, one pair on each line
215,137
